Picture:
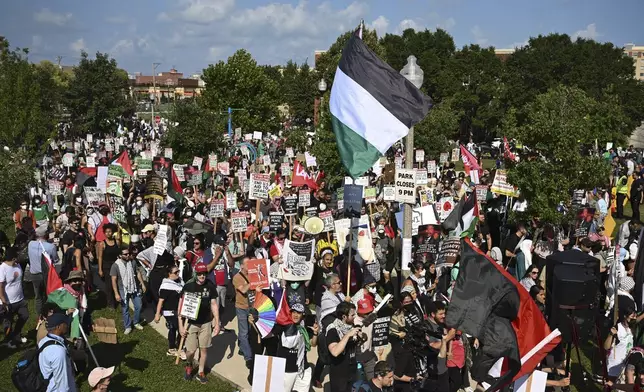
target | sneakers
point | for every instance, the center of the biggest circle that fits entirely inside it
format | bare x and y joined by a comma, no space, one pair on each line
128,331
138,326
171,352
188,374
23,340
182,355
202,378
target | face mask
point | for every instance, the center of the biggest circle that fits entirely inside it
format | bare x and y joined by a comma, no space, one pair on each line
23,207
295,285
90,212
139,203
104,212
36,202
423,273
372,289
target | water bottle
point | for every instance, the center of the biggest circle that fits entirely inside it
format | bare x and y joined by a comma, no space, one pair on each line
361,375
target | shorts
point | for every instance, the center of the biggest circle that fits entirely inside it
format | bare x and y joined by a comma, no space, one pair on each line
199,336
295,382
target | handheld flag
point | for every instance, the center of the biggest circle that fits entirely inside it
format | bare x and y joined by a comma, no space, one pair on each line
53,279
123,160
463,218
284,312
507,152
372,107
302,177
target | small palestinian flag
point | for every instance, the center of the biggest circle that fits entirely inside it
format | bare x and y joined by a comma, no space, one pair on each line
372,106
123,160
462,220
174,186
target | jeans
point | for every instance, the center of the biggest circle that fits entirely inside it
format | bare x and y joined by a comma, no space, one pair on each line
20,309
136,301
242,335
39,289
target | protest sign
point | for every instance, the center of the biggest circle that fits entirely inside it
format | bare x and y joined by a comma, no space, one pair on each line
101,178
389,193
501,185
161,240
212,162
257,135
449,251
444,207
361,236
55,187
68,160
370,195
258,273
268,373
162,166
310,160
94,196
456,154
420,155
275,192
231,200
352,198
115,172
77,146
420,216
238,133
223,168
90,161
481,193
190,304
275,221
179,171
431,168
340,198
118,208
89,138
389,173
380,335
285,168
421,176
406,186
290,205
143,164
444,157
197,161
297,260
193,177
398,161
167,153
289,152
217,208
304,199
266,159
364,181
327,218
259,185
115,188
153,186
578,197
239,222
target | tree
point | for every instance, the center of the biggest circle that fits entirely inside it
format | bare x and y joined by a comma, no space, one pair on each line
17,176
434,132
241,84
599,69
98,95
27,101
297,138
299,89
199,133
560,126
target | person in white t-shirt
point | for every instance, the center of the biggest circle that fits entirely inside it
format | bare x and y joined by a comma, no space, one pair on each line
620,341
12,298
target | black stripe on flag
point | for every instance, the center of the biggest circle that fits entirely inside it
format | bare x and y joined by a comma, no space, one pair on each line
401,98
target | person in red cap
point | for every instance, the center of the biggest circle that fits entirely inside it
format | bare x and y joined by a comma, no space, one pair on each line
205,326
365,353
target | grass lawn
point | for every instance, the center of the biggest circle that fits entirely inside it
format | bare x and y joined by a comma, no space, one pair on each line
140,360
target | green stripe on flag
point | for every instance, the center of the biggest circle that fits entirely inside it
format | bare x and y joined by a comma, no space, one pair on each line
357,154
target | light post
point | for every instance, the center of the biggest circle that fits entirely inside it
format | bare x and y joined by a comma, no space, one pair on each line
154,90
322,89
412,72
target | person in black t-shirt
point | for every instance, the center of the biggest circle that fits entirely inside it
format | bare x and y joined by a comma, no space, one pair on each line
510,248
168,303
342,344
383,378
200,331
636,194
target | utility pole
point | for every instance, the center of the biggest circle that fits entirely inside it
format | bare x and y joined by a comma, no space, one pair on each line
154,90
58,60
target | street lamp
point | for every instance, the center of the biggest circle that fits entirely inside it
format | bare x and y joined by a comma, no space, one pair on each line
322,88
412,72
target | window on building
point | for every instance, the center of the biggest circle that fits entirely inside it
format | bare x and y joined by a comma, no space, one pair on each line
642,74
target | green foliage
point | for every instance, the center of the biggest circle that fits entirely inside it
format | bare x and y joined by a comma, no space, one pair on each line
297,138
199,133
325,149
241,84
17,177
434,132
28,104
599,69
299,89
561,125
98,95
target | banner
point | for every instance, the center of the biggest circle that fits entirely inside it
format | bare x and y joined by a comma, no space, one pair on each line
501,185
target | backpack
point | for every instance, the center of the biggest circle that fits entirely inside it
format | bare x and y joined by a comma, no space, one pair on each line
360,386
26,375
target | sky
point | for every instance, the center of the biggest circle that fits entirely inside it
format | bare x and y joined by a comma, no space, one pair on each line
190,34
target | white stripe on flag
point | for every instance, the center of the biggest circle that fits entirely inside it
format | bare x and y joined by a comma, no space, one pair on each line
362,113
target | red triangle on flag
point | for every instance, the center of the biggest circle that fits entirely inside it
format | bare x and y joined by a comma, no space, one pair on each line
123,160
284,311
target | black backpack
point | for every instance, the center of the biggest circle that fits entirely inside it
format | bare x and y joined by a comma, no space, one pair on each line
26,376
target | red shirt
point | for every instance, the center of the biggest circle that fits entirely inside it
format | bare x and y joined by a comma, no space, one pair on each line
458,354
194,256
274,250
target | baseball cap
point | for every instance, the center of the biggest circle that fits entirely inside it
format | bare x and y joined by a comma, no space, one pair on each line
148,228
297,307
98,374
200,268
364,306
56,319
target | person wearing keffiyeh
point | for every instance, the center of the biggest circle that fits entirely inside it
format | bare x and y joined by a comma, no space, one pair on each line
295,341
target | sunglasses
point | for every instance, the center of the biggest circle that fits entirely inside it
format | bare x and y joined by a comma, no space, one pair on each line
197,243
176,272
534,272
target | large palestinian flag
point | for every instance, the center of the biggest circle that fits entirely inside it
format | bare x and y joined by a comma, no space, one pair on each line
490,304
372,106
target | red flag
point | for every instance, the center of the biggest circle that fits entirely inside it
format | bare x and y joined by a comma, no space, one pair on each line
53,279
301,177
284,312
469,161
123,160
508,154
